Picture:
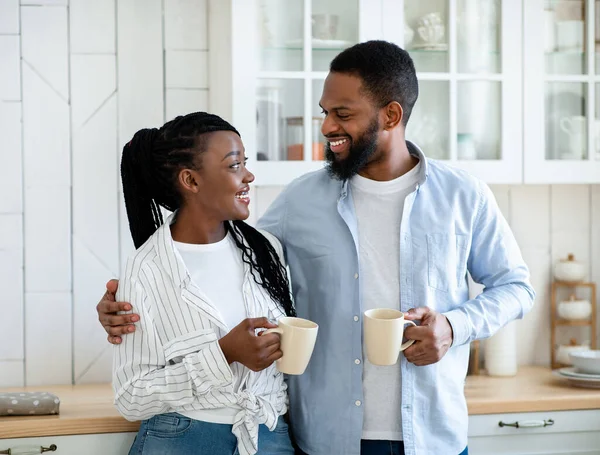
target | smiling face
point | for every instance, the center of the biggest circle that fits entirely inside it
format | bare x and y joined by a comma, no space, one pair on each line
351,125
220,183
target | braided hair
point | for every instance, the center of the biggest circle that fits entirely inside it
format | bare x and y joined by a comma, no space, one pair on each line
150,165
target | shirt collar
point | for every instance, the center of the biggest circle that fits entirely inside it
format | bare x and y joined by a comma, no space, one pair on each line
415,151
168,254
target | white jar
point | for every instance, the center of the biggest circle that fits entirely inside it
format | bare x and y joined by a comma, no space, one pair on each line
569,269
563,351
574,309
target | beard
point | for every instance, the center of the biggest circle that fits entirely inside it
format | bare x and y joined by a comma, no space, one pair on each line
359,154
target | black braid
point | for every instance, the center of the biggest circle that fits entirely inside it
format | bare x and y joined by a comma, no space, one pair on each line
149,168
262,258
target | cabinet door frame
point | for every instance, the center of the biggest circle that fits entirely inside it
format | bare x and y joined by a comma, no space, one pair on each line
537,168
234,74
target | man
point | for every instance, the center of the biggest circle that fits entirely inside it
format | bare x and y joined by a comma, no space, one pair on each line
383,226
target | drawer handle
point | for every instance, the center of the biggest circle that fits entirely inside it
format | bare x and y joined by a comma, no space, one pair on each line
28,450
527,423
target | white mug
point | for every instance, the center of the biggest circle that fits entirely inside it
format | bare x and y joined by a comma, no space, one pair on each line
575,126
298,338
384,329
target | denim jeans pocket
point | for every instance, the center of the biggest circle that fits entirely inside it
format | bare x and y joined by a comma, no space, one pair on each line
168,425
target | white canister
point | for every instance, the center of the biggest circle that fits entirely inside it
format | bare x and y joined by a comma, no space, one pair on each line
500,352
574,309
569,269
563,351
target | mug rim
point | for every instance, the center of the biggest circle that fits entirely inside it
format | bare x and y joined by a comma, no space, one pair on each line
368,314
311,325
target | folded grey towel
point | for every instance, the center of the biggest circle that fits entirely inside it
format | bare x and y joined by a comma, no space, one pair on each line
28,403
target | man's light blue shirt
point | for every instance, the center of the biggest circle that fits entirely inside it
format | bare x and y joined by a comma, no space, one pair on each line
451,224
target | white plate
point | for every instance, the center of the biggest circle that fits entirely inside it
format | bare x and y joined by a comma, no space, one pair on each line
578,382
575,373
321,43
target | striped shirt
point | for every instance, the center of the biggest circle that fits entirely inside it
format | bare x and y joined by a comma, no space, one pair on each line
173,361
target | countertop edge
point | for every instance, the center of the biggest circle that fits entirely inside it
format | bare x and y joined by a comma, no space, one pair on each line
28,427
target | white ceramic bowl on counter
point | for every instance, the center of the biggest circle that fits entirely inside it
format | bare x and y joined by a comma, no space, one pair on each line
586,361
563,353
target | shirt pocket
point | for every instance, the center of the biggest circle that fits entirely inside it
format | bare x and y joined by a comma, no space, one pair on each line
177,348
446,260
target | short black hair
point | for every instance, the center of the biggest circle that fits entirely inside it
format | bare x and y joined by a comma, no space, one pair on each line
387,71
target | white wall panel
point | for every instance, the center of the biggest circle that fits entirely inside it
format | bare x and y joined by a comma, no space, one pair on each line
186,25
45,45
186,69
48,239
11,155
9,17
184,101
48,338
92,26
10,62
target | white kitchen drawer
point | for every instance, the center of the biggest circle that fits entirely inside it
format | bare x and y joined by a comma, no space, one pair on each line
85,444
572,433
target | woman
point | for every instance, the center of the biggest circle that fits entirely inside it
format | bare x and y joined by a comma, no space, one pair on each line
202,282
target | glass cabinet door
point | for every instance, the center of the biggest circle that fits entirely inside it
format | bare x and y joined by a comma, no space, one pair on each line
295,42
562,102
466,53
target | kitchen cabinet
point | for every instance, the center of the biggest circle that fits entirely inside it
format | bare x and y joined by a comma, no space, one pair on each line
88,444
269,59
561,91
565,432
509,89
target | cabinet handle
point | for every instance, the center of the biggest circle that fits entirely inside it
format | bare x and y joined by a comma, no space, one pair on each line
527,423
28,450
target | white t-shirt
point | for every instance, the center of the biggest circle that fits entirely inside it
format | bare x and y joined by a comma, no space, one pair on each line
379,207
218,270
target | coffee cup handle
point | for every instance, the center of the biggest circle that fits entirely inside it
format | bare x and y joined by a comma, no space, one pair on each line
409,342
275,330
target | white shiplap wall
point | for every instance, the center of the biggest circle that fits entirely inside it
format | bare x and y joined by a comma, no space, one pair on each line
77,79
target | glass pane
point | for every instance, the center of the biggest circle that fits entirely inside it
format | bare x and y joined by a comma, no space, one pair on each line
280,27
318,141
566,124
479,124
426,34
428,125
564,29
334,28
278,103
597,34
596,127
478,40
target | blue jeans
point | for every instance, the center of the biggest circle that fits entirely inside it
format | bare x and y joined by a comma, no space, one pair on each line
373,447
174,434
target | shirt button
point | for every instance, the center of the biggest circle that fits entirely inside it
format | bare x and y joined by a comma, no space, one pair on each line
357,403
357,361
355,318
356,276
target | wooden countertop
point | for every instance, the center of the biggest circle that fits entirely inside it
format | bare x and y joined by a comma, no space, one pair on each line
87,409
84,409
532,389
